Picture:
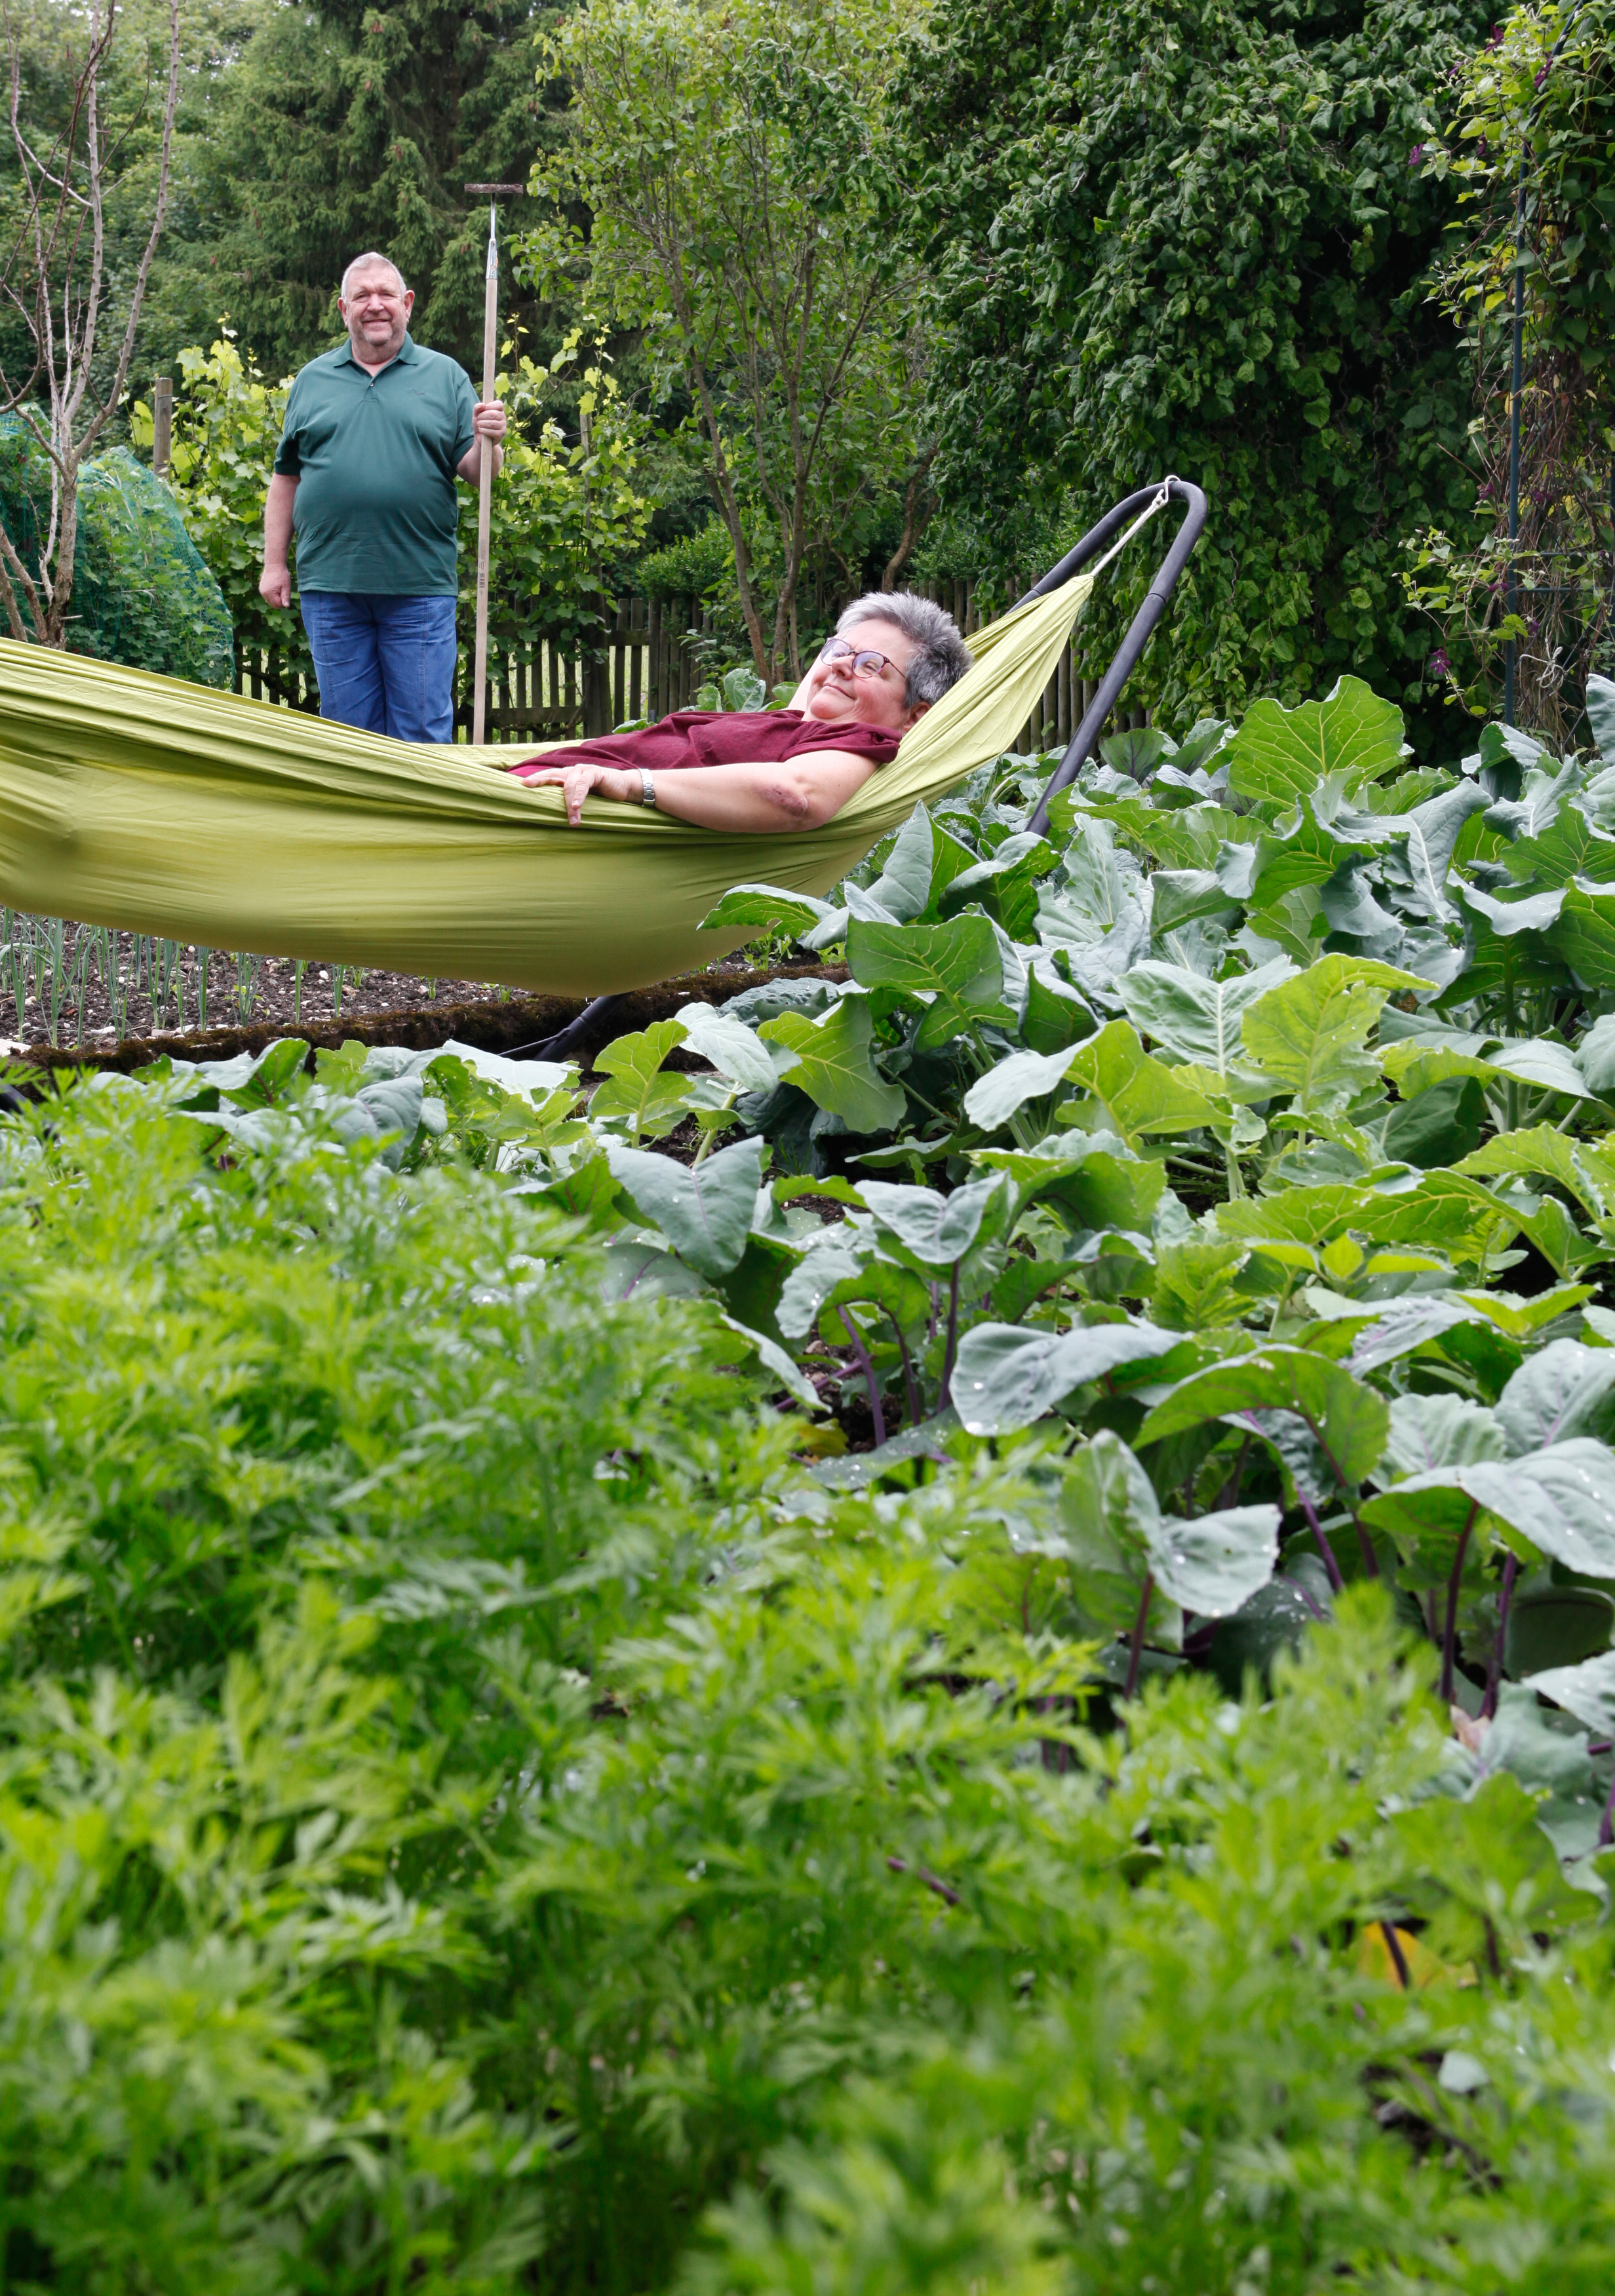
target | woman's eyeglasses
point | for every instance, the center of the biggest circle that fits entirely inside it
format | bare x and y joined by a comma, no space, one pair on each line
865,662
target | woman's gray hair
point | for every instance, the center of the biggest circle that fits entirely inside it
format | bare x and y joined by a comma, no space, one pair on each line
370,261
941,656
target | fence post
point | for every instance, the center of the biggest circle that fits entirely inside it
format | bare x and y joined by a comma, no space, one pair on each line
162,425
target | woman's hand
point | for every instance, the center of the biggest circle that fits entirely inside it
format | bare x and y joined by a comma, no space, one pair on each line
576,782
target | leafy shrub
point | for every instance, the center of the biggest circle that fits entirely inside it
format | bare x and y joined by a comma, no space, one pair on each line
142,594
476,1815
497,1794
696,566
1193,240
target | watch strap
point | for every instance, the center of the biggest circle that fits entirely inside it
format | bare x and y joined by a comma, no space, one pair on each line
647,788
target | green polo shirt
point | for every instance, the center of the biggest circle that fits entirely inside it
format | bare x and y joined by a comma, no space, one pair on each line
374,458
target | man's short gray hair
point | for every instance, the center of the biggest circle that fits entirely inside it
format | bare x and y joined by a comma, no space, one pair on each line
941,656
370,261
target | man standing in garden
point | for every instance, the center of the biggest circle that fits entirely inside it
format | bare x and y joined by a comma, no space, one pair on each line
376,434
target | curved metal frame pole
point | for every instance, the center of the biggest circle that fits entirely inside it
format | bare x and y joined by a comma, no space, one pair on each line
1127,657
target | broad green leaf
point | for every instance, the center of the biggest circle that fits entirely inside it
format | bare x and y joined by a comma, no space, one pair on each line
775,1359
1600,716
1525,913
1177,897
1091,1184
634,1061
936,1230
956,963
765,904
1561,1501
905,887
730,1046
1308,1215
1308,1033
1439,1431
1439,1124
1420,871
704,1211
1108,1512
1522,1740
1546,787
1569,845
844,1271
1414,1067
1403,1324
1584,937
1197,1019
1101,891
750,1288
1005,1376
1056,1015
1564,1390
1346,899
840,1258
1101,916
644,1271
1350,1422
835,1065
1214,1563
1489,1878
1279,754
1595,1055
1587,1691
1539,1151
1005,884
995,1098
1521,1319
1194,1284
1140,1094
1430,1516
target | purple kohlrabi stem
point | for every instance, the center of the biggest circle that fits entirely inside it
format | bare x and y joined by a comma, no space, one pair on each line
1606,1823
1136,1648
1493,1679
1324,1548
946,1396
916,1407
869,1380
1449,1638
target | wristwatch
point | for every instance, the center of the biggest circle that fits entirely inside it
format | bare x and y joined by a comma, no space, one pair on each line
647,788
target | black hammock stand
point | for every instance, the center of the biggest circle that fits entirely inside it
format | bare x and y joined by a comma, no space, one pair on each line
1124,663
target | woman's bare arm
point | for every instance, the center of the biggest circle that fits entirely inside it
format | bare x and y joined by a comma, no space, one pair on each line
799,793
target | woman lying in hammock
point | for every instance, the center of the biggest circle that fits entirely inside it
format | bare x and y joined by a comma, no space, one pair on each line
891,657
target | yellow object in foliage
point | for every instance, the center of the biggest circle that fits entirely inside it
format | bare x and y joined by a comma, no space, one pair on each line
1375,1959
168,809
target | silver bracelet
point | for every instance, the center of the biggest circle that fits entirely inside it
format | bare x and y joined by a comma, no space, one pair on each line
647,788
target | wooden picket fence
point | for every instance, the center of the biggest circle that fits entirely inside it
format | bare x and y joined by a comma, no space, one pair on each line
540,689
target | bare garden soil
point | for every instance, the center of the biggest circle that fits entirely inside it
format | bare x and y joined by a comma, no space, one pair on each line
384,1008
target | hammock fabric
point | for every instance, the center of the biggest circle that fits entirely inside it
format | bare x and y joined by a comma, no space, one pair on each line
140,801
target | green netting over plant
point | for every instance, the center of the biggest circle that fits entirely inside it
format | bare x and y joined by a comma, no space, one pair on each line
142,594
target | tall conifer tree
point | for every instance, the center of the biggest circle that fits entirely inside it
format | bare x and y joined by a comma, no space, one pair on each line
348,125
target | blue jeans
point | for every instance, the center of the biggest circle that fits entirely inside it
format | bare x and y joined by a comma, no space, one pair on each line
386,664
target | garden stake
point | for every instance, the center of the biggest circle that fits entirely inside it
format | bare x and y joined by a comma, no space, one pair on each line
484,507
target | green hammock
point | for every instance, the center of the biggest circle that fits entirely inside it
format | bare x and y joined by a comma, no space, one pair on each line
140,801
